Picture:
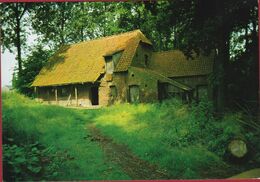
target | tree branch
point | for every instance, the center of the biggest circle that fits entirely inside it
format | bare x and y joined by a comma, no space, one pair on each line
24,10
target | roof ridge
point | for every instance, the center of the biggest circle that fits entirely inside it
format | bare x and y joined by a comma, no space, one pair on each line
173,50
109,36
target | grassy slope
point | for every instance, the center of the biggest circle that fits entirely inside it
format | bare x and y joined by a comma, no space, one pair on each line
186,142
26,122
163,135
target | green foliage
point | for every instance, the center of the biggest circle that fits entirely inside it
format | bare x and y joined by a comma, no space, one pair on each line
9,14
31,162
13,31
32,66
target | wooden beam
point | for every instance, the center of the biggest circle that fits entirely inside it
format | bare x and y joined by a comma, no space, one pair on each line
35,92
56,95
76,95
48,94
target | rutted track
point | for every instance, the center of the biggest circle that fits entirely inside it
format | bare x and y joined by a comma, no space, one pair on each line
133,166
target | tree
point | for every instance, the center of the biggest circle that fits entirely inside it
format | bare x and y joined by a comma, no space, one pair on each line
50,21
13,28
32,66
203,26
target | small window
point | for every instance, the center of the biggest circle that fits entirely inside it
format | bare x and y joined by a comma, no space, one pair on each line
113,91
109,64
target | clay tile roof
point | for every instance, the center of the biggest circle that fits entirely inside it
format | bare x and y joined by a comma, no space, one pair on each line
84,62
175,64
127,56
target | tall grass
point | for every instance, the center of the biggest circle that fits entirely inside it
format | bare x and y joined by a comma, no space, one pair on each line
26,122
187,141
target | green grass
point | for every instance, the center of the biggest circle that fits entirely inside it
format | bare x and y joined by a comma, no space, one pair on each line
186,141
25,122
165,134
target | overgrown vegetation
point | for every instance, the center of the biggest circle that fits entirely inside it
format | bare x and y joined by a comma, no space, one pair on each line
49,142
189,142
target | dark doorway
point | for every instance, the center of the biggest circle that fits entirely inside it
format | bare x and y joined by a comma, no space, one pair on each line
94,95
162,91
134,95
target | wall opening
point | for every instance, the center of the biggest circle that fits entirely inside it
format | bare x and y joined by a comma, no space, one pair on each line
134,94
111,61
146,60
162,90
109,64
94,95
113,93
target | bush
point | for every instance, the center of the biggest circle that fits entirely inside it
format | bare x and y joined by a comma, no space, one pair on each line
31,162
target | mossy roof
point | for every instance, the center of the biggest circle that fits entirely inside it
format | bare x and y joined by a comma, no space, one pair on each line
84,62
175,64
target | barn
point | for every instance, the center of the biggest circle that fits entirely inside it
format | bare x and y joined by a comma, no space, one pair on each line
120,68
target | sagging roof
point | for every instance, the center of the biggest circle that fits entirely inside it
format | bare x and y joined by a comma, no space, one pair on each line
175,64
84,62
161,78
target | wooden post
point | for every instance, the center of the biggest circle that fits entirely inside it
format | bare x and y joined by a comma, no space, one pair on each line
56,95
76,95
48,94
35,92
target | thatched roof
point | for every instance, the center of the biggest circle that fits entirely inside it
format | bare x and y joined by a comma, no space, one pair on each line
84,62
175,64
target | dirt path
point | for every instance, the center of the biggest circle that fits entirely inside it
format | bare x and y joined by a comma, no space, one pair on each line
133,166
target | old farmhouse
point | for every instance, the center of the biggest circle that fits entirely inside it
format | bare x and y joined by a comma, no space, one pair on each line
120,68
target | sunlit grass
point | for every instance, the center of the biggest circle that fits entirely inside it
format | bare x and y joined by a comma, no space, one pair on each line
26,121
170,134
185,141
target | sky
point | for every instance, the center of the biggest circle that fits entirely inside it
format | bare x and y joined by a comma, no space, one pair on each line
8,64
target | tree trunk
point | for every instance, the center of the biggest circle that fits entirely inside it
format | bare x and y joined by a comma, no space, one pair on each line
221,72
237,148
18,40
222,58
63,18
82,34
82,27
246,37
175,43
